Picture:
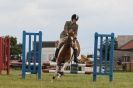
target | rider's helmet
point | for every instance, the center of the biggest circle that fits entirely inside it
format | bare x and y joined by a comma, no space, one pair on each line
74,16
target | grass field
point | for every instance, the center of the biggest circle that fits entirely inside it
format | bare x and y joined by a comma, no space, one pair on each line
121,80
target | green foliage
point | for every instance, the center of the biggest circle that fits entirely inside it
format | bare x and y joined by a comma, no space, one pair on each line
109,46
16,49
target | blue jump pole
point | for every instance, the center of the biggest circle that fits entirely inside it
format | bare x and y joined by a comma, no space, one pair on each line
101,54
40,51
23,55
103,61
34,52
106,54
111,57
33,56
95,57
29,55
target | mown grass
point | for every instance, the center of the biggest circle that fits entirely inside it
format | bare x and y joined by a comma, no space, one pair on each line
121,80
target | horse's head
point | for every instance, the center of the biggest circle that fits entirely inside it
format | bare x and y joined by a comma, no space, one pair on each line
71,39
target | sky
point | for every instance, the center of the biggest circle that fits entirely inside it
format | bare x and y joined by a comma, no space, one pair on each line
49,16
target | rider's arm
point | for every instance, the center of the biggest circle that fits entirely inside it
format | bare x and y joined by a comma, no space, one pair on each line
66,27
76,31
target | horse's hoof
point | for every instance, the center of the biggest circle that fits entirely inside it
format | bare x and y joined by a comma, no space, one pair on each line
53,77
61,73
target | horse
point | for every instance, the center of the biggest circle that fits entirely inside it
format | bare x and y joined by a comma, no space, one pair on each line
65,55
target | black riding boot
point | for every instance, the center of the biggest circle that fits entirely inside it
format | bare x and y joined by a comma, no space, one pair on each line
75,56
56,54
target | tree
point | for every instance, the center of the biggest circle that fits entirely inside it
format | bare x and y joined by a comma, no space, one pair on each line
16,49
109,46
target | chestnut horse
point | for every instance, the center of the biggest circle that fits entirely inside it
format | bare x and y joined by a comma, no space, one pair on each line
65,55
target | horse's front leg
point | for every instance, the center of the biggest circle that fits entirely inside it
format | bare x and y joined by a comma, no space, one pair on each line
64,66
57,72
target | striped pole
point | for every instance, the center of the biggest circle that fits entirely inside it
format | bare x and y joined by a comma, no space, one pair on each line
87,68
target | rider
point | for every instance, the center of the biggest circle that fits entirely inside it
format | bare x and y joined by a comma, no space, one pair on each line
69,26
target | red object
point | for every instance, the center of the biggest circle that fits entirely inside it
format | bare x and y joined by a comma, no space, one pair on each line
5,54
128,45
1,55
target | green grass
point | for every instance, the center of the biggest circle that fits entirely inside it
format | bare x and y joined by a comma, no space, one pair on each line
121,80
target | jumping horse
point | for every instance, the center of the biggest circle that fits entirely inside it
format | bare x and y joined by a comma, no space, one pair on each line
65,55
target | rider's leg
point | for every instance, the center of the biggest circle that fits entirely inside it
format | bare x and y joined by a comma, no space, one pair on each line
56,54
61,43
75,55
57,50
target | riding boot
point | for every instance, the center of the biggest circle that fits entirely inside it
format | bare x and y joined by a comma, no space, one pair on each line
56,54
75,56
